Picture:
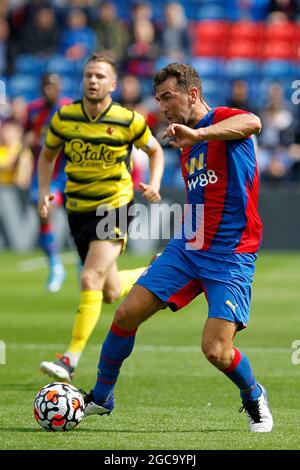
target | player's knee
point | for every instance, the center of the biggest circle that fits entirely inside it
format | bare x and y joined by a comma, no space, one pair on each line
90,280
216,353
124,318
111,295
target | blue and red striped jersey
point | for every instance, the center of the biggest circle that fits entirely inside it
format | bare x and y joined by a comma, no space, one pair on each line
222,177
39,117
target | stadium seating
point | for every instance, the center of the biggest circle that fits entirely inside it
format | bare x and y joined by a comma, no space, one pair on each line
161,62
209,31
212,11
278,69
60,65
242,69
243,49
230,40
208,49
24,85
279,50
29,64
246,31
71,87
209,38
215,91
256,10
208,67
283,31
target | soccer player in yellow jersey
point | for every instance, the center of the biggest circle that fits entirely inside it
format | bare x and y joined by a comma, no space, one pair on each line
97,135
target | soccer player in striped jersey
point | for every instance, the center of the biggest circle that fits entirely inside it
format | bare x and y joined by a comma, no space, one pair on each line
214,252
97,135
40,113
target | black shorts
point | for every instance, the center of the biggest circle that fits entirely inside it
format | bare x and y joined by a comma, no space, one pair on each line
110,225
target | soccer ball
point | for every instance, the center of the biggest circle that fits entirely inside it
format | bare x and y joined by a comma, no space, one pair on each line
58,407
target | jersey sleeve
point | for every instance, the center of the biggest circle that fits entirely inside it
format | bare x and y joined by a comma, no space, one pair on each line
54,139
225,113
140,131
28,122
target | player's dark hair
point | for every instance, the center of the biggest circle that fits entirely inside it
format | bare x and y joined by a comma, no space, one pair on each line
50,78
98,57
186,76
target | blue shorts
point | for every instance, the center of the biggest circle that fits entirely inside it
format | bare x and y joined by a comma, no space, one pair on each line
180,275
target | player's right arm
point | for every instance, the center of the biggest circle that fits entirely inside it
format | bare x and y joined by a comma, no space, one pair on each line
45,169
231,124
53,145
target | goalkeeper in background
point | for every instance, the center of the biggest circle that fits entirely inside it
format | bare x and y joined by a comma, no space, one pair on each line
97,136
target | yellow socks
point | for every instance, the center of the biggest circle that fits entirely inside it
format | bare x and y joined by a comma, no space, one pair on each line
89,311
86,318
128,277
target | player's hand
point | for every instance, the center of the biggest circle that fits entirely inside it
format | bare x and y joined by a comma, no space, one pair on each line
44,205
182,136
150,193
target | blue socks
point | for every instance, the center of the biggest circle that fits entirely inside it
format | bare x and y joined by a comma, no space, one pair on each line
240,372
48,244
117,346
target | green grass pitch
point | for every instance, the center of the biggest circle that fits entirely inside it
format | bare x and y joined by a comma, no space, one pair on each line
168,396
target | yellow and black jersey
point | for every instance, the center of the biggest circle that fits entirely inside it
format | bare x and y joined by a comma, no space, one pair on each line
98,153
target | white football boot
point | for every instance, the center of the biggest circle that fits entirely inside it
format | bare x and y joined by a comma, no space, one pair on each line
60,369
258,413
56,278
91,407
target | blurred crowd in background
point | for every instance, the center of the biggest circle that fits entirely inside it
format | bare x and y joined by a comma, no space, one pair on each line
247,53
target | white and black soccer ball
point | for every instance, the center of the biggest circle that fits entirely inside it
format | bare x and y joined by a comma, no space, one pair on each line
58,407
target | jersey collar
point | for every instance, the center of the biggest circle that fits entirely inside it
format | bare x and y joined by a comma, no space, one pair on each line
205,120
100,115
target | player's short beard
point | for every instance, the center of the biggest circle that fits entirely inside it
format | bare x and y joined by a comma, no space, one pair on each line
93,100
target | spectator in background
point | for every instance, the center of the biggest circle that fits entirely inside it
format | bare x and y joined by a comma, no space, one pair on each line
240,96
15,160
130,91
278,132
4,7
41,35
14,110
131,97
112,35
174,36
278,165
141,11
88,6
4,34
19,110
277,120
288,7
81,3
78,41
142,50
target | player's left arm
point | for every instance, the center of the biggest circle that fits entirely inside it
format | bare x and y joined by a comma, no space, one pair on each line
156,167
239,126
236,127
